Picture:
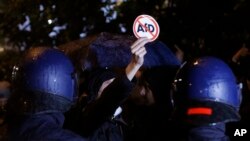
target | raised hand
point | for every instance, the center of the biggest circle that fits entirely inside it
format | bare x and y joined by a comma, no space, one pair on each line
138,52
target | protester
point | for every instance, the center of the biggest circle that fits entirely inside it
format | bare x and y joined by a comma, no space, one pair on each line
148,108
107,89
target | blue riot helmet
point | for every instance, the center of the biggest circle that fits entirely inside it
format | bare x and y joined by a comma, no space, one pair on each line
206,92
45,80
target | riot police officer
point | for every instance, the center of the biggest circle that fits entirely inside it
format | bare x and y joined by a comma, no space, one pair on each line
206,97
45,86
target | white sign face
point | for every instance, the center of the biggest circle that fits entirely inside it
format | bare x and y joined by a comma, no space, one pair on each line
146,26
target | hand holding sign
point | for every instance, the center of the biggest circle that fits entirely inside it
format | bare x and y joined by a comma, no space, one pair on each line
138,52
146,26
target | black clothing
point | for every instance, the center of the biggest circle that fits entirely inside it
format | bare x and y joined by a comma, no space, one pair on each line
208,133
96,119
41,127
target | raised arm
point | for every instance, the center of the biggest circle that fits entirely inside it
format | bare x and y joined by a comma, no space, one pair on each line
138,51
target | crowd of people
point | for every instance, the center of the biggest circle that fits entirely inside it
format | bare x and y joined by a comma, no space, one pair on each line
153,93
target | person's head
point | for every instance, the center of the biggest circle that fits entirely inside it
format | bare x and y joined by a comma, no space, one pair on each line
206,92
44,81
154,80
142,94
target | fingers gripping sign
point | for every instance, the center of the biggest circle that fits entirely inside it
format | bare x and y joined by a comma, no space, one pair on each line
146,26
138,50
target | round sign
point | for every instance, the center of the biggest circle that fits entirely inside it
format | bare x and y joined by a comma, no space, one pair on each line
146,26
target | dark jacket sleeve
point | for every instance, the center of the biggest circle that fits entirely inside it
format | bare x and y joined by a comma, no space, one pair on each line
102,109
